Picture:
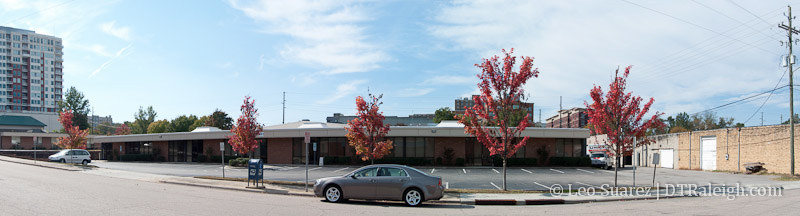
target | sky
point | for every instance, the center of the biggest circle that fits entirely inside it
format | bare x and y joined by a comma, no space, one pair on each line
192,57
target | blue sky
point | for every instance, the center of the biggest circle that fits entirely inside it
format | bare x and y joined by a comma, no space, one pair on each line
190,57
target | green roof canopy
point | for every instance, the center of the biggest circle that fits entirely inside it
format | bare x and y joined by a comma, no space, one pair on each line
20,121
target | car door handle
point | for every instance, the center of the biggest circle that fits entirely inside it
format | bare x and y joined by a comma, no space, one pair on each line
372,180
402,180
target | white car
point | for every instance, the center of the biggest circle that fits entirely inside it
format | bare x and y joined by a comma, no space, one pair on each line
72,156
600,159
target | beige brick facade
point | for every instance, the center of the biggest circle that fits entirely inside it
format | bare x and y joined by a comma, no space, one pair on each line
766,144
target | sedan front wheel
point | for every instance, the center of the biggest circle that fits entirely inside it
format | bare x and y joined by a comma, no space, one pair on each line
333,194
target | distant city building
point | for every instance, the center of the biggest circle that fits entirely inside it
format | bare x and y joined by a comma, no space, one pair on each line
569,118
411,120
31,75
462,103
97,120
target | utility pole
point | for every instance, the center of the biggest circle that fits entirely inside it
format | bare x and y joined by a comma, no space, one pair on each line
762,118
559,111
283,121
790,32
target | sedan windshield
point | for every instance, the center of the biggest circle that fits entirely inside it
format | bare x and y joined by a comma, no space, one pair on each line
598,155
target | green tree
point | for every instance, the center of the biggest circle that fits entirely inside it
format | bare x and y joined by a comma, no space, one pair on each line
220,120
183,123
443,113
198,123
160,126
143,119
796,119
74,101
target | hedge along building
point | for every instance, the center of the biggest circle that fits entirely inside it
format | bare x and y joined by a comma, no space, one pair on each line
283,144
726,149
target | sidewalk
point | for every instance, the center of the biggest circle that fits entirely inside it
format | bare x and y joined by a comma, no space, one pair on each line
452,198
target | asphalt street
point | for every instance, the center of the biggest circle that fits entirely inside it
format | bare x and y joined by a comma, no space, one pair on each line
469,177
30,190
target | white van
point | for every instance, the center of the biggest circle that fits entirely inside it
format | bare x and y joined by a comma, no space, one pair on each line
72,156
601,159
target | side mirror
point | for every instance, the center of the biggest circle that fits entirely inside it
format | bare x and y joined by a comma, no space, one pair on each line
353,176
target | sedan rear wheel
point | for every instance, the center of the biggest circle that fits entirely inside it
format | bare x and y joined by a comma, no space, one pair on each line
333,194
413,197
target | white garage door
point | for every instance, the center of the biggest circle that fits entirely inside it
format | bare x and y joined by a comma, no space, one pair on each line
708,158
666,158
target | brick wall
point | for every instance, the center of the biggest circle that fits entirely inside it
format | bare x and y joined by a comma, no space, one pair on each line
280,151
766,144
456,143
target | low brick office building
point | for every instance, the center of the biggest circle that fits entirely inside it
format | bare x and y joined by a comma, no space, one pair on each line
283,144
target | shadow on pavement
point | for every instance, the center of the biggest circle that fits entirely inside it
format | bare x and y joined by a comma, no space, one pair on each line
383,203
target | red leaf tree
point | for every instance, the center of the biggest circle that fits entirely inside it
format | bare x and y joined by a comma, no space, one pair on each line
246,129
491,120
618,115
367,133
123,130
76,138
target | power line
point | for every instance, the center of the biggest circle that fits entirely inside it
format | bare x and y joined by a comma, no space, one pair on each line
765,101
740,100
740,22
39,11
696,25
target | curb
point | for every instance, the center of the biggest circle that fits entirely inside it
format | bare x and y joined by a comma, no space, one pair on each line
51,167
556,201
267,191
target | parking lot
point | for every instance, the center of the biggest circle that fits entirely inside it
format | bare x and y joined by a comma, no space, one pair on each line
537,178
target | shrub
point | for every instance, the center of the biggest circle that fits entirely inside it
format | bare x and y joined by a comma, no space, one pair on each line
136,157
202,158
338,160
439,161
459,161
238,162
570,161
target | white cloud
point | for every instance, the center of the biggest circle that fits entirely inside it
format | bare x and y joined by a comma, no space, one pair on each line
261,62
99,50
451,80
579,43
343,90
414,92
119,54
123,33
327,32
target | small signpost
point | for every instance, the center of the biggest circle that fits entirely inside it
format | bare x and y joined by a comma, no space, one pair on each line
255,172
34,150
307,140
656,158
222,152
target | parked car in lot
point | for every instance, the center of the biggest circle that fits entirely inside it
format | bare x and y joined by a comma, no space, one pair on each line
381,182
72,156
601,159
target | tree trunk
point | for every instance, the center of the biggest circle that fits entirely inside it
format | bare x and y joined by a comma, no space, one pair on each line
504,173
616,167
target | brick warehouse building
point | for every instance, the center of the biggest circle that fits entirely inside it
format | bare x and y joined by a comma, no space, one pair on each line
283,144
726,149
569,118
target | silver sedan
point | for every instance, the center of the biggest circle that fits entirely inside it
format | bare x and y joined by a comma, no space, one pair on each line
381,182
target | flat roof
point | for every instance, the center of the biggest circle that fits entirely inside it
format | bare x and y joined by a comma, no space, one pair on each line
319,129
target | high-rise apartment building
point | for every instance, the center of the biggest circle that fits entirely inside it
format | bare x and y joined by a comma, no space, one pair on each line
31,71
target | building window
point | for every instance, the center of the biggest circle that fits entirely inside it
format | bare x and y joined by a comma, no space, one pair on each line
15,140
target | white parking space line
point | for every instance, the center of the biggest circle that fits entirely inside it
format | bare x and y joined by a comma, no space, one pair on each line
496,171
342,169
433,170
555,170
447,185
315,169
498,188
527,171
586,171
537,183
584,184
289,168
465,171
